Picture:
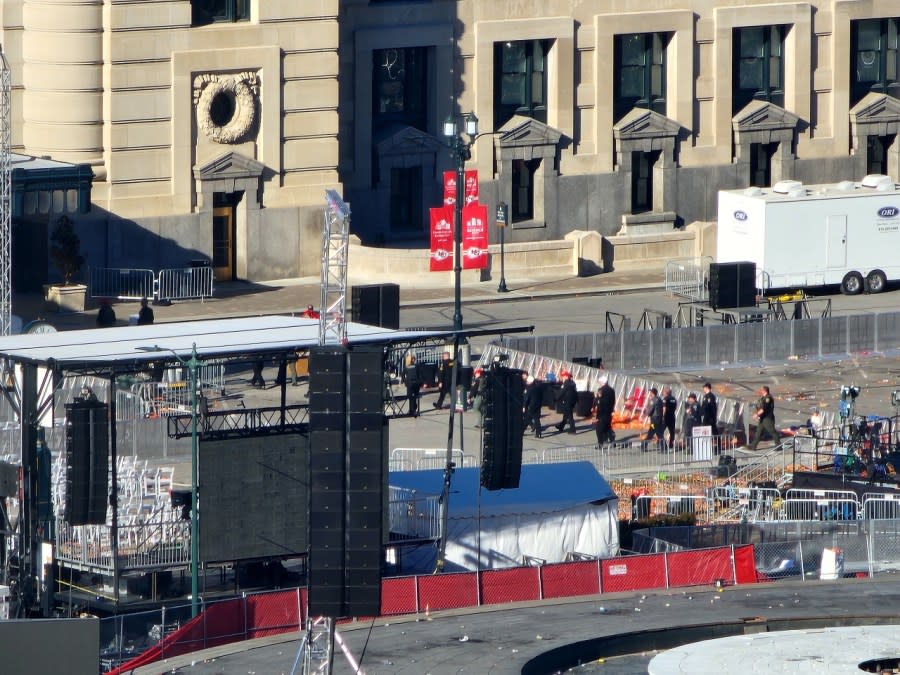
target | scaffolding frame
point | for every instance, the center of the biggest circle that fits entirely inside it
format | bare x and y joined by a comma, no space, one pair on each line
335,242
5,197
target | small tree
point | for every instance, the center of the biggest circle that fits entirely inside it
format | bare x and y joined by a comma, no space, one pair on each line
65,249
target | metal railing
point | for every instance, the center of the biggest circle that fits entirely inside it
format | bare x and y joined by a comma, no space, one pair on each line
689,278
712,345
123,283
413,515
417,459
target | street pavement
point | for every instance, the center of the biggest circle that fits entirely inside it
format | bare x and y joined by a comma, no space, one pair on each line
503,639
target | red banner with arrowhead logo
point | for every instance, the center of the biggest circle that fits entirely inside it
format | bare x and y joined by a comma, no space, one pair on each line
471,188
475,237
441,239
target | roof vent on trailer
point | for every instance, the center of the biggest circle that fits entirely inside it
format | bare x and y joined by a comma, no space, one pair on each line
845,186
878,181
753,192
787,187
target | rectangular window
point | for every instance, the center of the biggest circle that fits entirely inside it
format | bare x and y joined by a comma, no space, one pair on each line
642,181
205,12
761,163
874,50
520,76
758,65
522,206
640,66
406,199
400,87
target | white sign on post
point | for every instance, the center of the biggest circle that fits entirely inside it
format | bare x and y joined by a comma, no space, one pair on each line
702,443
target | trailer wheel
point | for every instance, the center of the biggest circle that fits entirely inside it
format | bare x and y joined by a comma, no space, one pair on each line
852,283
876,281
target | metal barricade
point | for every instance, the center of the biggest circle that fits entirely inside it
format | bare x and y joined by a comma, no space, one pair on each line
417,459
688,278
645,506
185,283
412,514
820,509
121,283
880,506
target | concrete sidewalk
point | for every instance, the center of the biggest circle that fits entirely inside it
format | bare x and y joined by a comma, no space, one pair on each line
241,298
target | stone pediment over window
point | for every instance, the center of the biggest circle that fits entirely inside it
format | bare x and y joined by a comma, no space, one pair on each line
874,115
640,123
764,122
229,166
406,140
525,138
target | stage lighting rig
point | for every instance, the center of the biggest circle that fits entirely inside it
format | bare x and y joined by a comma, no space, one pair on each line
848,397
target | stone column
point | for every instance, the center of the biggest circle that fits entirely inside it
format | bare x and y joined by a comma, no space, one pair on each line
62,102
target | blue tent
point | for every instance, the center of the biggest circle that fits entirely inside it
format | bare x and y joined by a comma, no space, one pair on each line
556,510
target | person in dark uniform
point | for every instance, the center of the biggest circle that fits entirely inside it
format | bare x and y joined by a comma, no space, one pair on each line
709,409
568,397
653,411
691,418
106,316
765,416
258,380
445,379
670,405
534,400
413,385
145,315
606,405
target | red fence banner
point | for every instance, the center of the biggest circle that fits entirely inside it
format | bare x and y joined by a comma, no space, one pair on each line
442,239
448,591
475,237
699,568
566,580
510,585
471,188
398,596
745,565
273,613
633,573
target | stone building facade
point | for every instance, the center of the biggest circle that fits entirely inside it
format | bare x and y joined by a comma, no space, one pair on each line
604,116
210,125
213,127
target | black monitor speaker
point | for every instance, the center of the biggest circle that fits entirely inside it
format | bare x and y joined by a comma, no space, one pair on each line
87,463
376,305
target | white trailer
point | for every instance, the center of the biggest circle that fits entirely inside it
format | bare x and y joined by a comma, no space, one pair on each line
800,236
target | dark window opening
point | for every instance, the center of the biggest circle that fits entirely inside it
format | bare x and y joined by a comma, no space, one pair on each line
758,65
520,80
642,181
877,153
204,12
523,173
400,87
640,67
761,163
876,58
406,199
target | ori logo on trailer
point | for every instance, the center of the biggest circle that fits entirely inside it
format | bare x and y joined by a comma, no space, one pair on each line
740,216
888,212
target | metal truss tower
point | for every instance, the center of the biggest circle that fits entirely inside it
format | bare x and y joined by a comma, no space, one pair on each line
335,242
5,197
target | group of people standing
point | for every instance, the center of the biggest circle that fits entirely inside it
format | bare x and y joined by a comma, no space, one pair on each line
660,411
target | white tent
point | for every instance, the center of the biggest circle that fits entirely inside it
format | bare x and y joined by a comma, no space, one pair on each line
557,509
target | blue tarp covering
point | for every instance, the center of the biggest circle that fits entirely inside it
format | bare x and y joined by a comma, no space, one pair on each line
542,488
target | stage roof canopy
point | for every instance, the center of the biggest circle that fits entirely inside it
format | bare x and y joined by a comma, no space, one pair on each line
126,347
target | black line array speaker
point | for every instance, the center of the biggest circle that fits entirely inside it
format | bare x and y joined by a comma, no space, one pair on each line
503,424
348,472
87,463
376,305
732,284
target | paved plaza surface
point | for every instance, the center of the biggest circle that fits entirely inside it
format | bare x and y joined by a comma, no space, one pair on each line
504,639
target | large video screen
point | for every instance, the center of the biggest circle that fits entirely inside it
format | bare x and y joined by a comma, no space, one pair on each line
254,496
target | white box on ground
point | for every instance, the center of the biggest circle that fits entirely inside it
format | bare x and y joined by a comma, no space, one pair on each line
832,564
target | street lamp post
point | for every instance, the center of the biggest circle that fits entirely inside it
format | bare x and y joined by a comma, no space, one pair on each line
461,150
192,364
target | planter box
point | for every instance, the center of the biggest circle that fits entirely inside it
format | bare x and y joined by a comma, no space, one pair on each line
65,298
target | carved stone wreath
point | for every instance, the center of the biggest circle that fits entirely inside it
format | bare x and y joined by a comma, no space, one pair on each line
235,93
